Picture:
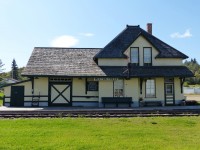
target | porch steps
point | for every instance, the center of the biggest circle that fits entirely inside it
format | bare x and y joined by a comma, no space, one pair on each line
98,113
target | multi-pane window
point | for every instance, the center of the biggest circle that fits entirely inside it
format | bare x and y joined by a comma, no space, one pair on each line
147,56
118,88
150,88
135,55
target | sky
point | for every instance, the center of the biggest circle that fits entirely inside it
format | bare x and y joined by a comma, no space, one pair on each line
25,24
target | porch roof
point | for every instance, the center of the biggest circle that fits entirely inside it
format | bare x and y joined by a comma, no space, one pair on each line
147,71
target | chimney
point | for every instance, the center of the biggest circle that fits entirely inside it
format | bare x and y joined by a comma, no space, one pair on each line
149,28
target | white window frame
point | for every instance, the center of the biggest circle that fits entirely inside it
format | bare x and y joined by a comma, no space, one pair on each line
150,89
134,53
118,88
147,54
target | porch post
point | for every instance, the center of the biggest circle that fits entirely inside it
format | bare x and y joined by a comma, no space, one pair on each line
182,80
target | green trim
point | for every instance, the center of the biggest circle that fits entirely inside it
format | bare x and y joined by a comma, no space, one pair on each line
68,84
87,96
85,101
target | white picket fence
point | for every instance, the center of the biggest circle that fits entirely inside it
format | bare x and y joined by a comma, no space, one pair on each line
188,90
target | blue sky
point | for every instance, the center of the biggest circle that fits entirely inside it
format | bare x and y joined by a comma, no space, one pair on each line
25,24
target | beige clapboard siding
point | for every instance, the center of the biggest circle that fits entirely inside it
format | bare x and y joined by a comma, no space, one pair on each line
141,42
105,89
112,62
78,88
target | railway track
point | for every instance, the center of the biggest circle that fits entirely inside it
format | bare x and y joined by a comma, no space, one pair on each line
98,113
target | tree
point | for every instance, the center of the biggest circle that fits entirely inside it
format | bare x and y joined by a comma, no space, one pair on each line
14,70
1,65
194,66
1,70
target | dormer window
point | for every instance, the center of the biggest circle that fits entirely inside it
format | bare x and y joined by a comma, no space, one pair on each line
135,56
147,56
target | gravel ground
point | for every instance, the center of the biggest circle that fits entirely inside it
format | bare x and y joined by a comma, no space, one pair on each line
192,97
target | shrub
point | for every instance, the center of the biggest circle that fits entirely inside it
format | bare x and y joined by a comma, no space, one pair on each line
191,102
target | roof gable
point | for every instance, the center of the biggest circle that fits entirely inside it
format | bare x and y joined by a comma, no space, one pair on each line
116,48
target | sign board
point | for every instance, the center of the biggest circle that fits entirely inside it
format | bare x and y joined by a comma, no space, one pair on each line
107,79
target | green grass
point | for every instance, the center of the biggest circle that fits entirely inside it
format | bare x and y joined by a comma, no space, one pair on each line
113,134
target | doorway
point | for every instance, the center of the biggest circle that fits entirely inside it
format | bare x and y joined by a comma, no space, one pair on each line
17,96
169,94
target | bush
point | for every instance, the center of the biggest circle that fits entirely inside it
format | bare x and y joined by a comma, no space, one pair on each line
191,102
186,84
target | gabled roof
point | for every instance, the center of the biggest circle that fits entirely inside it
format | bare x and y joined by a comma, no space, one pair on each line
119,44
78,62
51,61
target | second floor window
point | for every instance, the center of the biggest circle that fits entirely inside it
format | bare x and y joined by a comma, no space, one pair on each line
147,56
135,56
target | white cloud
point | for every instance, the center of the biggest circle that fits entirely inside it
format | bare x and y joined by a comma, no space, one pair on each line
87,34
186,34
64,41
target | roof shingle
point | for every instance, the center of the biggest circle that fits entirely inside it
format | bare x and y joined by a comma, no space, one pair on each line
62,62
120,43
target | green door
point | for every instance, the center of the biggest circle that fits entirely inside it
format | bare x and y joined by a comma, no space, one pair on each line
17,96
169,94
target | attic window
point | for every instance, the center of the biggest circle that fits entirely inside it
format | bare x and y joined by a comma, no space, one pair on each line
134,52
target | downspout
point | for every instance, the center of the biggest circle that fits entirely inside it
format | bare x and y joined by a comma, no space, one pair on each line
141,82
32,84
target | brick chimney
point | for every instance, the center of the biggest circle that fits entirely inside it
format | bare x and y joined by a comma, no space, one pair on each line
149,28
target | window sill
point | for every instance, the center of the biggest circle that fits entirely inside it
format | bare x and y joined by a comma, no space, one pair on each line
151,97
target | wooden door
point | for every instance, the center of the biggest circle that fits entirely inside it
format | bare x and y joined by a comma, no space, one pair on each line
60,94
17,96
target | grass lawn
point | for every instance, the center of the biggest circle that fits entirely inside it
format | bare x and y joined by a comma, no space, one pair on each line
85,134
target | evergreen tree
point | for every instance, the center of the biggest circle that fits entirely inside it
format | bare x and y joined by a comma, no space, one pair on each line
14,71
1,70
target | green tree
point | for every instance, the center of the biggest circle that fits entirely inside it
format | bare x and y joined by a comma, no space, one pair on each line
1,66
14,71
194,66
1,70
